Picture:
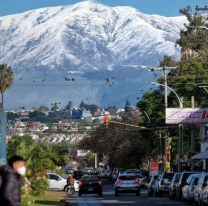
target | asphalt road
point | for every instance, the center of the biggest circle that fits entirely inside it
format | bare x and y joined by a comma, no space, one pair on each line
109,199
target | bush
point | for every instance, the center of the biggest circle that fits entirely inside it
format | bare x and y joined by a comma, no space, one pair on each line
39,186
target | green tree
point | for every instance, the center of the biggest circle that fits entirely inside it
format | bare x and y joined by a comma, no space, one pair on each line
43,108
35,109
168,61
11,115
55,107
81,105
6,80
113,109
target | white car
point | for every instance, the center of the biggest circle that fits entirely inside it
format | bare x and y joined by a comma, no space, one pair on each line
58,183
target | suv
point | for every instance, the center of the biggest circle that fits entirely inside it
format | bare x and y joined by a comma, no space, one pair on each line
127,184
198,192
172,188
163,183
56,182
189,187
77,174
138,174
181,183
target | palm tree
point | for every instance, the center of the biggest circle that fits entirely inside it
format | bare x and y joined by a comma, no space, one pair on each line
6,80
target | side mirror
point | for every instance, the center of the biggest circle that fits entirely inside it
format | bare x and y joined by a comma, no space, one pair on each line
59,179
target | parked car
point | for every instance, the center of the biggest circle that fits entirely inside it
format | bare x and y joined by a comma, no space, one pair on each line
108,173
115,174
199,189
77,174
87,170
151,184
162,185
90,184
205,194
56,182
172,187
181,183
189,187
128,183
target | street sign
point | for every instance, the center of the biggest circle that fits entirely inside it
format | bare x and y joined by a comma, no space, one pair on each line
186,116
154,168
181,157
82,153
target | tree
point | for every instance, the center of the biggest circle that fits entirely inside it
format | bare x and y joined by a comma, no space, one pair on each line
113,109
6,80
11,115
43,108
35,109
55,107
82,105
35,114
168,61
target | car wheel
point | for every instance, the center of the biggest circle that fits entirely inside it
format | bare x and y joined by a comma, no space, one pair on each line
195,202
156,193
170,195
160,194
138,193
80,194
116,192
183,199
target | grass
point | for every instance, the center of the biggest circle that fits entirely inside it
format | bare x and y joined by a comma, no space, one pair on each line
50,198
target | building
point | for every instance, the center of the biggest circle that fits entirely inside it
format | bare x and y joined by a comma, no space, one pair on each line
78,114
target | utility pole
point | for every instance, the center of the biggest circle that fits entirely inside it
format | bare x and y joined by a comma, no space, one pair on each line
180,149
201,9
166,87
193,140
88,93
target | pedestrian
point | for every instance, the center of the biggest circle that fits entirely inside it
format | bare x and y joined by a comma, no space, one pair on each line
10,176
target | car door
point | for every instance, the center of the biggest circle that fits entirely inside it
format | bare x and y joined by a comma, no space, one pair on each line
55,182
185,188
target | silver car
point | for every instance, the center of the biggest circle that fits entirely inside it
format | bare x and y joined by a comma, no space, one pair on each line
151,184
163,183
189,187
127,183
205,194
198,192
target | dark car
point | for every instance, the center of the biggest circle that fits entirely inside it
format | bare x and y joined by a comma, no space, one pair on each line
95,173
172,188
90,184
181,183
77,174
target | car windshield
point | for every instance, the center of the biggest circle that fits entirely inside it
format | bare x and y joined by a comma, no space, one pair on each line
89,178
77,172
168,176
177,177
155,177
185,176
127,177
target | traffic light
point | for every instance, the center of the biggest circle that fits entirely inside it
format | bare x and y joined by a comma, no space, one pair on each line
168,156
105,122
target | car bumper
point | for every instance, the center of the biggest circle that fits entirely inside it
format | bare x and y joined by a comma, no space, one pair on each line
90,190
127,189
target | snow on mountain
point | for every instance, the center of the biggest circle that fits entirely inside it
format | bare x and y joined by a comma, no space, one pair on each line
86,36
89,41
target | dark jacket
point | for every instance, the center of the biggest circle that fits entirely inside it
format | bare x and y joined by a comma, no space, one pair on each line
10,189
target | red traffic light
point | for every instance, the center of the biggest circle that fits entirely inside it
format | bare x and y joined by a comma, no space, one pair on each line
105,119
168,152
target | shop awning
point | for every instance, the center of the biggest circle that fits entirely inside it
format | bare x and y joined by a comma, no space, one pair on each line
203,155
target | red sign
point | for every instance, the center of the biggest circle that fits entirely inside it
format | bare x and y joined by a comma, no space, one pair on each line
154,167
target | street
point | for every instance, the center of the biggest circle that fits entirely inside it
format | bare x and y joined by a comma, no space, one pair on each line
109,199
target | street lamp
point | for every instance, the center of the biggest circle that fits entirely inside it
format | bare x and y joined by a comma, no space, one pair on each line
180,125
179,100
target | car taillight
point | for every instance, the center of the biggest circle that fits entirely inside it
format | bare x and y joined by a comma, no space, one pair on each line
119,181
98,175
162,182
80,184
174,183
136,180
100,183
202,187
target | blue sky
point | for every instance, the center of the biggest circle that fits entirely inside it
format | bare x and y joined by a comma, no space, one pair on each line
161,7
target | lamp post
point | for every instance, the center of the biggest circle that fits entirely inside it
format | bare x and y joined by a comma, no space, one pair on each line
180,125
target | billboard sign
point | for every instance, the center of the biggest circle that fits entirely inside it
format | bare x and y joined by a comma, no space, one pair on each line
82,153
154,168
186,116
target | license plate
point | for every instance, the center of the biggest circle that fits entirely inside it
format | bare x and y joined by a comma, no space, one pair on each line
127,184
90,189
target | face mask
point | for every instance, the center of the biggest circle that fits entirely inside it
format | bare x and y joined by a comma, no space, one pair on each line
21,171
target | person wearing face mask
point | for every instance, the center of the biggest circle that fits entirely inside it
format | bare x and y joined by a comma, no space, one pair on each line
10,176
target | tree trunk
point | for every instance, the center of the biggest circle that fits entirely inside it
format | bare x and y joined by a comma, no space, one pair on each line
2,99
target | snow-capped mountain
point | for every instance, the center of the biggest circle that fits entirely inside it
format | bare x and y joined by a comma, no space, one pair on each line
86,36
89,39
